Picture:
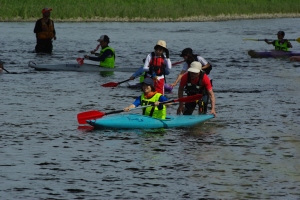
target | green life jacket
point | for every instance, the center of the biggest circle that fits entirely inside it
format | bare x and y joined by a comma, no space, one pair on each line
109,62
153,111
282,47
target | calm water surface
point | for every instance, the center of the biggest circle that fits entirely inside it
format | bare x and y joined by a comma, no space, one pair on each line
250,151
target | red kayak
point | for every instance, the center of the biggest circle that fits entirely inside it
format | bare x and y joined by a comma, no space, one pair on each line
295,58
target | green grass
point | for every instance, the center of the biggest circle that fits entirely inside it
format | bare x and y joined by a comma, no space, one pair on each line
142,10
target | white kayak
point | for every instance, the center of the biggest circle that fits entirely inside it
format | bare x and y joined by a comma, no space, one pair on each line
76,67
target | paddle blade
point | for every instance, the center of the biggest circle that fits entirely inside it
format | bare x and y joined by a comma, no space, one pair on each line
89,115
298,40
110,84
80,61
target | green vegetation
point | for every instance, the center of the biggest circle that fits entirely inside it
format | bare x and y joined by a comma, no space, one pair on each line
148,10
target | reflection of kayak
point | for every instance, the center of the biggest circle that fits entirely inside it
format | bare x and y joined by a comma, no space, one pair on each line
272,54
295,58
136,121
137,85
76,67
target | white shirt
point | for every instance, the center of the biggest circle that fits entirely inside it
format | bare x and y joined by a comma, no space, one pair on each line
202,61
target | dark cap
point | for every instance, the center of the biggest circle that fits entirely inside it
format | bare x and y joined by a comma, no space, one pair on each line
104,38
186,51
280,33
148,81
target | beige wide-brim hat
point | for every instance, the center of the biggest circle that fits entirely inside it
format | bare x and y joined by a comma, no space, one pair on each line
161,43
195,67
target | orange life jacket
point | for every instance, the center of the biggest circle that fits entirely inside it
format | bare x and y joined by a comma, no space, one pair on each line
48,30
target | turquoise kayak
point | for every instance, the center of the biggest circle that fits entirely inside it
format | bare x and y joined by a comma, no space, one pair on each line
137,121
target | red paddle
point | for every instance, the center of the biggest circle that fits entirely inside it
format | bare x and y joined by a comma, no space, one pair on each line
80,61
176,63
95,114
114,84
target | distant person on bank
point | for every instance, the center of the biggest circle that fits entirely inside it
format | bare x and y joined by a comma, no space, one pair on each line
45,32
107,54
280,44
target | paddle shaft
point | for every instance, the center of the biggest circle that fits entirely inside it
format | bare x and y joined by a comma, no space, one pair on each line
298,39
124,81
176,63
183,99
5,70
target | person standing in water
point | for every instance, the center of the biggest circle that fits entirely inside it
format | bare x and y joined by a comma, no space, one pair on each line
45,32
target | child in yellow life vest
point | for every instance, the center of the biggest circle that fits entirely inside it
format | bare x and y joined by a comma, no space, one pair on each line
150,97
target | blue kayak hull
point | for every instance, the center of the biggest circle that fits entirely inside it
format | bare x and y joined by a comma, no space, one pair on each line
136,121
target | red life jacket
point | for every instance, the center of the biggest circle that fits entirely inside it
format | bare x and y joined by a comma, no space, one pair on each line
157,65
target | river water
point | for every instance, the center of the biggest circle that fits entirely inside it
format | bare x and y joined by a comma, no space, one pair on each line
250,151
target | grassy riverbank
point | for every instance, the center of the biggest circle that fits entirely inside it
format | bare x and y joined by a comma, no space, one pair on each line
148,10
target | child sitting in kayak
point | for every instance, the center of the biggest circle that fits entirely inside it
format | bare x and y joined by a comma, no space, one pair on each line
150,97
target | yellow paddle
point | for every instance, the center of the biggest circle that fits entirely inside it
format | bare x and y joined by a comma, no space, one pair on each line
298,39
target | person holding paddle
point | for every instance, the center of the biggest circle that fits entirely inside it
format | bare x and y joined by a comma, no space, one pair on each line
190,57
107,54
196,82
45,32
150,97
157,65
280,44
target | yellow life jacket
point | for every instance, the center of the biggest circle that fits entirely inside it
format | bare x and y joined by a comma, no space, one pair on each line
48,30
153,111
282,47
109,62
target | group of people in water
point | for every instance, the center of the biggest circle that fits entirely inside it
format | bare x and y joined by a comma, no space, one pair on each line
194,77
